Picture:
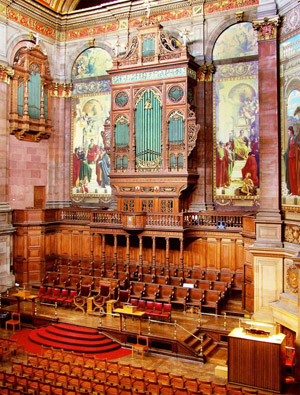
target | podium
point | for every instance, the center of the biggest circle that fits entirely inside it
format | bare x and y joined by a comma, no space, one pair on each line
256,360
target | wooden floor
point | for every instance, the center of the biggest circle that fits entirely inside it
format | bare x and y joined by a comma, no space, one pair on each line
185,323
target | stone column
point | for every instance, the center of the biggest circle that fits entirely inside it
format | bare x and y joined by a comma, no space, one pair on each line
6,228
297,341
268,219
202,198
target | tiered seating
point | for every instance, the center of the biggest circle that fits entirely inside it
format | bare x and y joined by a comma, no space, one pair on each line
65,373
150,283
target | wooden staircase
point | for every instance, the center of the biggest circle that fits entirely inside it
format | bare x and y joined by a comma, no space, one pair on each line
201,344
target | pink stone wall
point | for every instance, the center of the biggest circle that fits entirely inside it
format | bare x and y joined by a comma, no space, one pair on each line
59,150
27,167
3,141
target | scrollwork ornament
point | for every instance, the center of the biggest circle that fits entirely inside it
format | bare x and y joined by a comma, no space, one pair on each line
292,278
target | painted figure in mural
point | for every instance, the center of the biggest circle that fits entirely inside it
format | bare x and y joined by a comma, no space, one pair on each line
104,164
230,156
93,152
85,172
290,163
251,168
76,165
248,185
222,178
241,148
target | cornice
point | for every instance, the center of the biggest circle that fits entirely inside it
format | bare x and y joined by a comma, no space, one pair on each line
106,17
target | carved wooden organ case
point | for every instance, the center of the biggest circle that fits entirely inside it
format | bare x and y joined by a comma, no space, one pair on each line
30,96
153,128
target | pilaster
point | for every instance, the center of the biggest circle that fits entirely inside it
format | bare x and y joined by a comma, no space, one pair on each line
268,219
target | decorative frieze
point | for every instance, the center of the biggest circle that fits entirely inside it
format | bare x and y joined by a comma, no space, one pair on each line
266,28
61,90
6,73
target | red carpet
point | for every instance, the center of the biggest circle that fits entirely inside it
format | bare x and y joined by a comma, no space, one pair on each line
70,338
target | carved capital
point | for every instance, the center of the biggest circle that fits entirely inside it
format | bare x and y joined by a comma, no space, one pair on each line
61,90
239,16
206,72
6,73
266,28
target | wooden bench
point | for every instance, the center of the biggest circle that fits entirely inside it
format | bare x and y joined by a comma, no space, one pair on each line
136,289
176,281
146,278
211,275
195,297
150,291
179,296
212,299
50,279
164,293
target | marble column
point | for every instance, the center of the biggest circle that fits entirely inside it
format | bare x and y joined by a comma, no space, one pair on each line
202,198
268,219
6,228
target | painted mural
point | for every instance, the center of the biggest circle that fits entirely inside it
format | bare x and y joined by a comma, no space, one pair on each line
93,62
236,128
237,41
91,102
290,185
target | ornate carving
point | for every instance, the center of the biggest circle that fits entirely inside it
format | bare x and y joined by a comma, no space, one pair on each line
121,98
206,72
6,73
292,278
239,16
61,90
193,130
291,234
266,28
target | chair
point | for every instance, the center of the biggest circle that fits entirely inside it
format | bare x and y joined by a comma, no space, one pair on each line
48,294
102,297
166,313
142,344
141,305
14,321
63,296
55,296
69,301
42,292
123,298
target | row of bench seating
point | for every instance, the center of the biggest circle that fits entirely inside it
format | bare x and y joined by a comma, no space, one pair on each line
204,299
155,310
65,373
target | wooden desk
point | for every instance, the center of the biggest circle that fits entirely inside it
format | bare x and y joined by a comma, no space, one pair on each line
110,305
21,295
135,314
257,361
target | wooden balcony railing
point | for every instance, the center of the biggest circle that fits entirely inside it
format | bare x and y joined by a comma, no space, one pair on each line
179,221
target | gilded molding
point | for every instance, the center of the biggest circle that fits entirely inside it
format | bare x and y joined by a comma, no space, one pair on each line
266,28
6,73
206,72
292,234
61,90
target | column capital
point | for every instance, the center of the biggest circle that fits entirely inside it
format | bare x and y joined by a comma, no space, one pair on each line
266,28
61,89
206,72
6,73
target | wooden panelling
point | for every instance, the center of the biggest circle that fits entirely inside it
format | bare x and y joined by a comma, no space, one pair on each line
257,363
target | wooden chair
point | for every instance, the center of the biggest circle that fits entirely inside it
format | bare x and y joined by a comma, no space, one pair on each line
142,344
14,321
102,297
81,299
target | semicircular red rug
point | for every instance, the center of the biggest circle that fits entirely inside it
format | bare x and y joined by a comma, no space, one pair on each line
70,338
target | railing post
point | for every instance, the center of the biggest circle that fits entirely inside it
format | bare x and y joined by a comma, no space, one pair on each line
149,326
199,320
175,329
225,323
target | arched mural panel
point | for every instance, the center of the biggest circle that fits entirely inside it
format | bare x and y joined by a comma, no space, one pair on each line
236,110
91,102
